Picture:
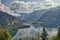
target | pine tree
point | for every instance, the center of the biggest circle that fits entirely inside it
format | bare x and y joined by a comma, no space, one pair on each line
58,34
32,38
44,34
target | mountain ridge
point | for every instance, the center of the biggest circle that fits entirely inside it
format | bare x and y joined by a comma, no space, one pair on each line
5,18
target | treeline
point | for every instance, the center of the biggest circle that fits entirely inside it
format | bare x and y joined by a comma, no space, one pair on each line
5,35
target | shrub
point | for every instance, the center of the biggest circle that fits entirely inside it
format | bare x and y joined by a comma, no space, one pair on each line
5,35
53,38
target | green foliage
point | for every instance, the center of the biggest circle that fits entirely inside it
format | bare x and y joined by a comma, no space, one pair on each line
53,37
36,38
29,22
25,38
20,39
32,38
5,35
44,34
58,34
15,26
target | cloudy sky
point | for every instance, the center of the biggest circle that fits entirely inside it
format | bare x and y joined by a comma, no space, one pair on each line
38,1
27,6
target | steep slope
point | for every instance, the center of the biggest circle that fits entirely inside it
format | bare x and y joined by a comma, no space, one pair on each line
51,18
10,22
46,17
6,19
33,16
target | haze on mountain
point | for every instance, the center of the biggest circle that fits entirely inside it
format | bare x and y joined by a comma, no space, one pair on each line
34,11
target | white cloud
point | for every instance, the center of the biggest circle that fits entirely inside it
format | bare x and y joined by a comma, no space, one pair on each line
7,9
21,6
27,7
49,2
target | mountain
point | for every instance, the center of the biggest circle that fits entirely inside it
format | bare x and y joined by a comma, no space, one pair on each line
10,22
47,17
51,18
6,19
32,16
